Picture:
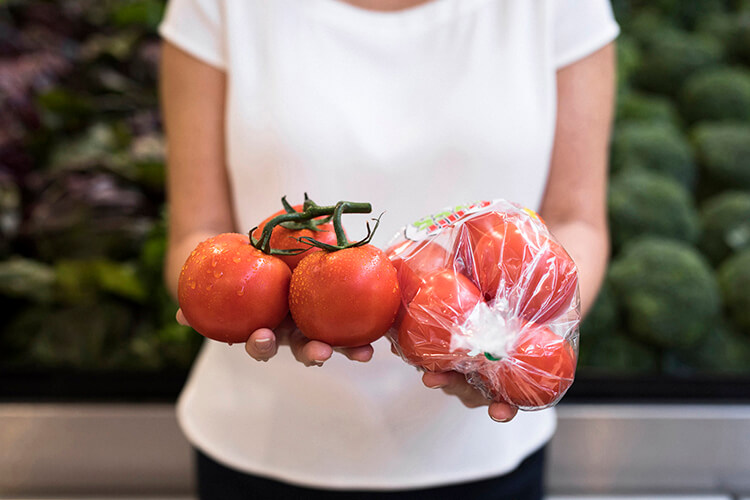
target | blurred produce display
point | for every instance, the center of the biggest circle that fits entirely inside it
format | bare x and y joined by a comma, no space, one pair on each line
677,292
82,216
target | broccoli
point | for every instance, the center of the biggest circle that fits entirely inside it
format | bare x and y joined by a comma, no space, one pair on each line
734,280
733,29
635,106
602,320
672,56
717,94
645,24
687,14
617,353
725,225
723,351
723,149
654,146
644,203
667,290
628,59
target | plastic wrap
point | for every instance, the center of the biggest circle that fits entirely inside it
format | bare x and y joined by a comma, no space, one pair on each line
487,291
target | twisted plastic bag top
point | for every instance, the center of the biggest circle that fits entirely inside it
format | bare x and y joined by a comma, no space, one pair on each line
487,291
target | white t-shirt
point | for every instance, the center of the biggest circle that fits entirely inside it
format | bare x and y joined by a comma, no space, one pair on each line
447,102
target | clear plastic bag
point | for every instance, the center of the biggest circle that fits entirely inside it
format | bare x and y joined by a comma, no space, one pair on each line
487,291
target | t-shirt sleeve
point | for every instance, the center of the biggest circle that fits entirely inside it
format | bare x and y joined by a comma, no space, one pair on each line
197,27
581,27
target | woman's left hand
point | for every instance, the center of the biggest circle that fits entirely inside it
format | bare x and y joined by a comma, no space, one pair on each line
455,384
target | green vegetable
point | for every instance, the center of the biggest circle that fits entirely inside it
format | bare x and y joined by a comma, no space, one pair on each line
725,225
668,292
670,57
722,352
718,94
734,280
636,106
602,319
616,354
733,29
724,152
688,13
90,336
26,279
85,280
656,147
643,203
628,58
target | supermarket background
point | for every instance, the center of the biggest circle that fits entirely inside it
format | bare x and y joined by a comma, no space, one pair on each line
84,316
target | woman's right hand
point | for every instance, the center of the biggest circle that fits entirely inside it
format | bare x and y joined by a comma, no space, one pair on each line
263,344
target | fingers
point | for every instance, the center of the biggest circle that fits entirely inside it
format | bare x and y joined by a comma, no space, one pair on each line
502,412
262,345
361,353
309,352
181,318
455,383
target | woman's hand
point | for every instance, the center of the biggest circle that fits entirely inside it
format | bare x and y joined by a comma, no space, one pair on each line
455,384
263,344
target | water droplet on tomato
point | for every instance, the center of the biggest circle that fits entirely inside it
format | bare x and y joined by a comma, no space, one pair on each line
214,263
191,284
209,286
236,260
241,291
218,274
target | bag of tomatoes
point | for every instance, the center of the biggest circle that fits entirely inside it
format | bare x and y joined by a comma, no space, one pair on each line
487,291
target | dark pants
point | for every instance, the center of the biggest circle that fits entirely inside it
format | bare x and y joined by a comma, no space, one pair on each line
217,482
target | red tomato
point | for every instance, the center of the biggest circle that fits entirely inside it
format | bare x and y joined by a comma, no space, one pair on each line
227,288
442,304
478,225
538,370
531,271
413,260
345,298
285,239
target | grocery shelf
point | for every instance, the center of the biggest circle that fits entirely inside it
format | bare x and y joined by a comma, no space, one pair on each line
88,449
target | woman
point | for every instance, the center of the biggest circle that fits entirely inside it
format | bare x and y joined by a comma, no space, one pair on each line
411,105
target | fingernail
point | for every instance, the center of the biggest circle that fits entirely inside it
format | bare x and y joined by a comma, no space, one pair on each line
263,345
505,421
318,362
439,386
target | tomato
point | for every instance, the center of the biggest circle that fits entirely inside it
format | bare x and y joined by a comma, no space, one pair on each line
345,298
286,239
227,288
531,271
538,370
438,309
413,260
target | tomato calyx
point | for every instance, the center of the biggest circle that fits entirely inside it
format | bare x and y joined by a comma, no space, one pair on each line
308,218
309,224
342,242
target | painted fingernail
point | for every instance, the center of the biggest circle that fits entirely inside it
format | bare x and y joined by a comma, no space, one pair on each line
263,345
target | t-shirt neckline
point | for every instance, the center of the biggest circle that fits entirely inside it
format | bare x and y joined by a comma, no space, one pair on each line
402,21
